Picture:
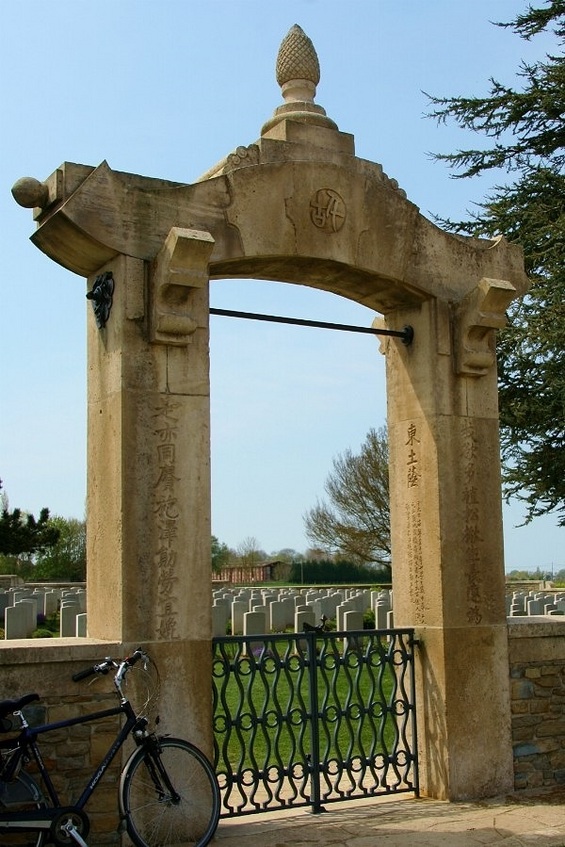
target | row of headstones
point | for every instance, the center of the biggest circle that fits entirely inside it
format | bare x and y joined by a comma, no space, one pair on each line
20,608
250,611
263,611
528,603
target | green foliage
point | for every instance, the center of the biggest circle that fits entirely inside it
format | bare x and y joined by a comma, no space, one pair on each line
41,633
65,561
356,522
524,576
328,572
22,534
15,565
369,619
47,627
287,555
220,555
527,134
51,623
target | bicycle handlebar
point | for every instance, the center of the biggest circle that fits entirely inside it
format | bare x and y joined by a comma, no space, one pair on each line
103,667
135,657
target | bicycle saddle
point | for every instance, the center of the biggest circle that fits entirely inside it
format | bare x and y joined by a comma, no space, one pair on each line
7,707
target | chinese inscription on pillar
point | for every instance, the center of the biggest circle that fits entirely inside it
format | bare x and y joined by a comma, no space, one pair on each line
414,522
471,530
167,515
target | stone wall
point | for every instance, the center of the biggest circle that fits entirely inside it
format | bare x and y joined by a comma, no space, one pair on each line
537,676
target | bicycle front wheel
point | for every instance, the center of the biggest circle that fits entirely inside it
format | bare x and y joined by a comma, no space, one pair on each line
20,795
155,816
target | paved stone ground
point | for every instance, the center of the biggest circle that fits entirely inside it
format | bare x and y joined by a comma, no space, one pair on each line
522,820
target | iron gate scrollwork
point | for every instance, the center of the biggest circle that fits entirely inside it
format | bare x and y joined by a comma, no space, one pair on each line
313,718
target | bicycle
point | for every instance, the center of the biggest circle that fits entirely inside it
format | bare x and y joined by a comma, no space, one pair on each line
167,793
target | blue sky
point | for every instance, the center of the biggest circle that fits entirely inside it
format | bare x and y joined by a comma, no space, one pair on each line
166,88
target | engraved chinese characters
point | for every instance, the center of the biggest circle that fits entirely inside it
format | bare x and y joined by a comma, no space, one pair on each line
412,463
471,530
414,523
167,515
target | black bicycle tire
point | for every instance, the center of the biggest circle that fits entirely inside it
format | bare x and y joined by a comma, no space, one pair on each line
150,823
37,798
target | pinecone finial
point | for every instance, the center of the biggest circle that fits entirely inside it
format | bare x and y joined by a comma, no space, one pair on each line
297,59
298,74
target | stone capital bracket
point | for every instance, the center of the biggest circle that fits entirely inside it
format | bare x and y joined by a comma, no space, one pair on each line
476,316
180,266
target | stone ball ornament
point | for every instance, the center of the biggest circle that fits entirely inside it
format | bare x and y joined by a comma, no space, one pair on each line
30,192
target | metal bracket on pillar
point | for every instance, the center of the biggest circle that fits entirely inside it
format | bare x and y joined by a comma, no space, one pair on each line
101,294
475,318
180,267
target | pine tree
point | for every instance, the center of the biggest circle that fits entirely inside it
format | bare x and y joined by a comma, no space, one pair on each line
526,130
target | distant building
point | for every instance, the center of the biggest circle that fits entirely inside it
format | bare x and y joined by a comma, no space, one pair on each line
250,574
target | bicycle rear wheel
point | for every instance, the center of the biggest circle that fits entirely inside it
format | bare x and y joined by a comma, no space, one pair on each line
21,794
156,818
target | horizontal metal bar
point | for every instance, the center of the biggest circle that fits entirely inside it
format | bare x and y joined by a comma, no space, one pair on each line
406,334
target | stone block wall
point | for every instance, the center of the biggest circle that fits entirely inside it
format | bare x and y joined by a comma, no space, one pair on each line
537,678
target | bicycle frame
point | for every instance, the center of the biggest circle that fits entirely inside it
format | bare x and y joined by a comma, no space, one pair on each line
27,740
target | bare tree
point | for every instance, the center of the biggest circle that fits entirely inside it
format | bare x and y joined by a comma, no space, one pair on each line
249,552
356,522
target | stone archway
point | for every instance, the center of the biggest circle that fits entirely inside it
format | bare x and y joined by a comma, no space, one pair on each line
295,206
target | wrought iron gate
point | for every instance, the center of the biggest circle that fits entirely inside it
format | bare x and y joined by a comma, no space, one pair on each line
313,718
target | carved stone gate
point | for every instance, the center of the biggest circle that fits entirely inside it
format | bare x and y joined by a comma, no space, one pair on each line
296,206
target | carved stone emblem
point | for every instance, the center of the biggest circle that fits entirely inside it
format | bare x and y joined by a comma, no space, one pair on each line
327,210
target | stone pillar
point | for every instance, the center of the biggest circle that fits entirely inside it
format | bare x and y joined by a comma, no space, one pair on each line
148,530
447,543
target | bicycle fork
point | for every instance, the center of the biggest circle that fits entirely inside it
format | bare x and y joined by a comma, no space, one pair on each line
158,773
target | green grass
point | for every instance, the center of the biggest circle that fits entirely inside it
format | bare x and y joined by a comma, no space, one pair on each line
262,709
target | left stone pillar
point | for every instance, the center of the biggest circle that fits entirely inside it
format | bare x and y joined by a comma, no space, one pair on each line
148,485
148,501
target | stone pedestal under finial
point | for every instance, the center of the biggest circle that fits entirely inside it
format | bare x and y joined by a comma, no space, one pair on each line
298,74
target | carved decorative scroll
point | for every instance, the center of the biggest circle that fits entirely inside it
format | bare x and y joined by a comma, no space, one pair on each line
180,266
476,317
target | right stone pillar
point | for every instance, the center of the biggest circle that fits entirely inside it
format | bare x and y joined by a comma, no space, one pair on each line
447,540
